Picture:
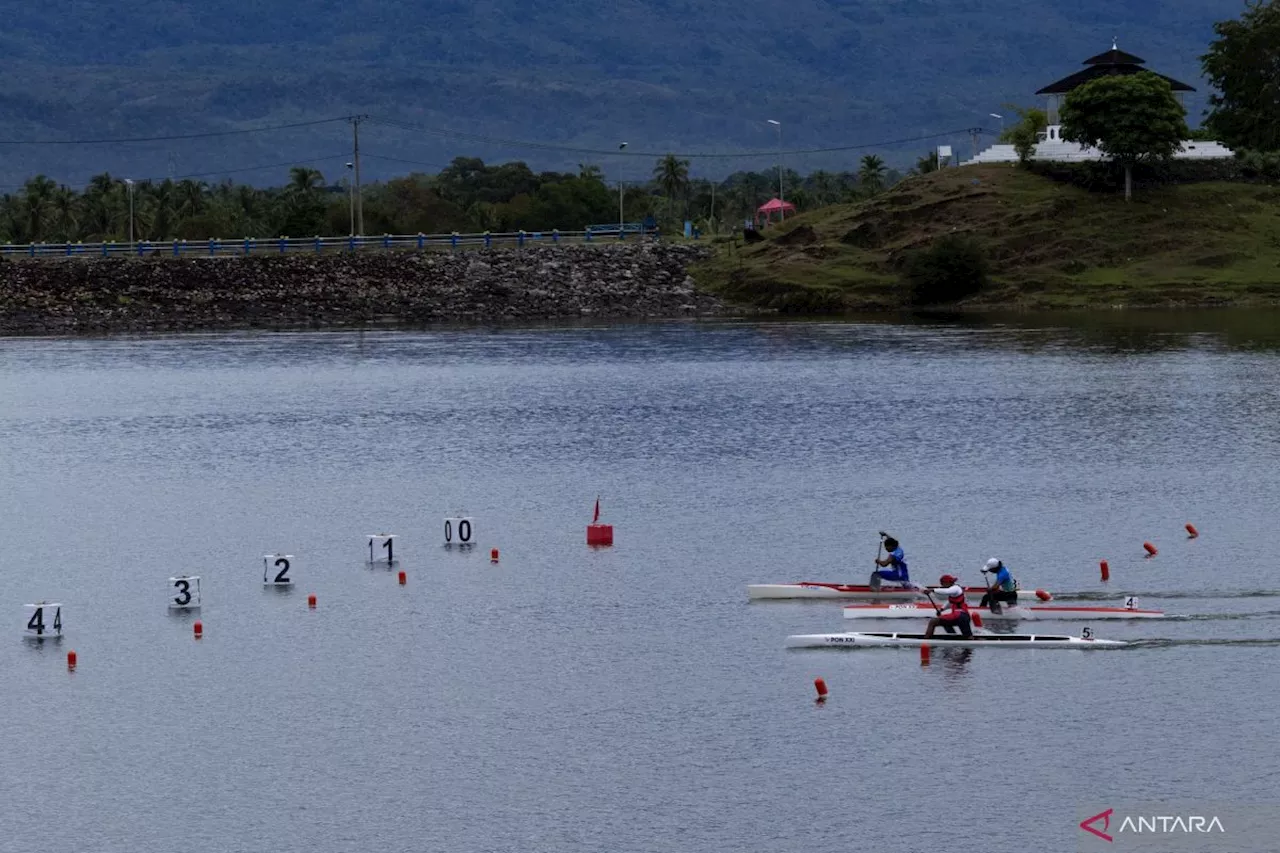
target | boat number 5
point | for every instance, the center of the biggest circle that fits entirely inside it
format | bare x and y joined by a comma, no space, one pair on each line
1087,634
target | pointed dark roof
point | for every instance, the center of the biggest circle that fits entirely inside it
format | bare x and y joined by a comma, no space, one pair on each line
1112,63
1115,56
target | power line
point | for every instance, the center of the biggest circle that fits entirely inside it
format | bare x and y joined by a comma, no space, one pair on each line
206,135
741,155
406,162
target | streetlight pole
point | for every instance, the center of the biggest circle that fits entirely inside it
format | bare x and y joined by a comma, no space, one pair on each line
621,146
997,115
781,213
351,201
129,183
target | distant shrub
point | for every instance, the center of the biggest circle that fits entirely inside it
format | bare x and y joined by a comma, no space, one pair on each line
952,269
1247,167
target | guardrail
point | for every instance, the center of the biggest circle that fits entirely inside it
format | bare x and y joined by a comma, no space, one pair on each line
217,247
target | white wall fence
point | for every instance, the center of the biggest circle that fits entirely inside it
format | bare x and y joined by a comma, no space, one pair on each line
216,247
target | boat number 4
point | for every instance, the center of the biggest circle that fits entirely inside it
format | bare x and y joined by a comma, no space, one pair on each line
1086,634
1131,603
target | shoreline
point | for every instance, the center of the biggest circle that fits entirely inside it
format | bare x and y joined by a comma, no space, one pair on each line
93,296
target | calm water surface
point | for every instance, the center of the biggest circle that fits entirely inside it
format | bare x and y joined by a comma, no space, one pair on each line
628,699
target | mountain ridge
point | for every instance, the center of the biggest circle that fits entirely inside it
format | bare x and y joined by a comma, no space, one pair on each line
659,75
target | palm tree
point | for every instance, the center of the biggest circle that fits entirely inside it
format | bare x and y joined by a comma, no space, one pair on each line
37,201
66,213
305,180
871,173
191,197
590,172
823,188
928,163
672,177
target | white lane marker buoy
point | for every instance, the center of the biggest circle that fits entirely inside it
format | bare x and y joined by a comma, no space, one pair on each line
44,621
275,569
382,548
185,593
459,530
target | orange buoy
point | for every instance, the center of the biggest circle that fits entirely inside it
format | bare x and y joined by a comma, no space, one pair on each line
1106,570
821,687
311,601
1043,595
493,555
977,619
71,659
199,629
404,579
1150,549
924,655
1191,531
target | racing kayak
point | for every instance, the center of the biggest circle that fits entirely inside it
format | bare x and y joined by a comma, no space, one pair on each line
813,589
1038,641
1008,613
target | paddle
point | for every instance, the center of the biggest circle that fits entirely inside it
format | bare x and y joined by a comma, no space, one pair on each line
874,583
992,603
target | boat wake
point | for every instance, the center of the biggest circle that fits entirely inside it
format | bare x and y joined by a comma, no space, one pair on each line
1160,643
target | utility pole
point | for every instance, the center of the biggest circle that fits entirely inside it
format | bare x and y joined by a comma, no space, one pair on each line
355,159
620,186
778,125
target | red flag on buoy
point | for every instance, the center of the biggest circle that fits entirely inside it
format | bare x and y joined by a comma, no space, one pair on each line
596,517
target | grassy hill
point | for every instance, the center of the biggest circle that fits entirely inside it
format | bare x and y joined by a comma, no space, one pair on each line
1050,245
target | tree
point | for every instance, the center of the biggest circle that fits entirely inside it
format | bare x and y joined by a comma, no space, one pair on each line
1243,64
1131,119
928,163
871,173
1026,133
672,177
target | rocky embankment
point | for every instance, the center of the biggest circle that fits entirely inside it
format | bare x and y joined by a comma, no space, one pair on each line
378,288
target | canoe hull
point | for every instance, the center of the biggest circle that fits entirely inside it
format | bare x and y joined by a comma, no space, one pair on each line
940,640
1009,613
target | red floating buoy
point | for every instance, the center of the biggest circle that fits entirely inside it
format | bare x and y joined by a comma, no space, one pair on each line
493,555
1150,549
597,533
311,601
71,659
1191,530
403,580
199,629
924,655
1106,570
821,687
1044,595
977,619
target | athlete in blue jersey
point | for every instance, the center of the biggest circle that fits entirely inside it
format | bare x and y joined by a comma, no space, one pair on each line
1001,587
896,562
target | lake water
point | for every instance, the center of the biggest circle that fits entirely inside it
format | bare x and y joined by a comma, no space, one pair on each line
629,699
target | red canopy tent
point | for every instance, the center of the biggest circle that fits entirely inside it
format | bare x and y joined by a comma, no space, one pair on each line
765,212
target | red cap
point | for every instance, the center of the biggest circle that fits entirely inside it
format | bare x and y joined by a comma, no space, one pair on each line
947,580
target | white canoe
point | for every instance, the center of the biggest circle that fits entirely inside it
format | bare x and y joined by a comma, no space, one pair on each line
1008,613
813,589
1008,641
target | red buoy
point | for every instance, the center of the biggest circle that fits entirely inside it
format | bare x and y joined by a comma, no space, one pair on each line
493,555
1191,530
1044,595
1106,570
199,629
821,687
976,619
311,601
1150,549
71,659
599,534
924,655
403,579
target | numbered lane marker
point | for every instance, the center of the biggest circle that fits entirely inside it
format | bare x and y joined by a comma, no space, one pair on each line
44,620
459,530
1131,603
275,569
382,548
184,592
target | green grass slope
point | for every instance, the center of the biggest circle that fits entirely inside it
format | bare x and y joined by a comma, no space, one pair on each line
1050,245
